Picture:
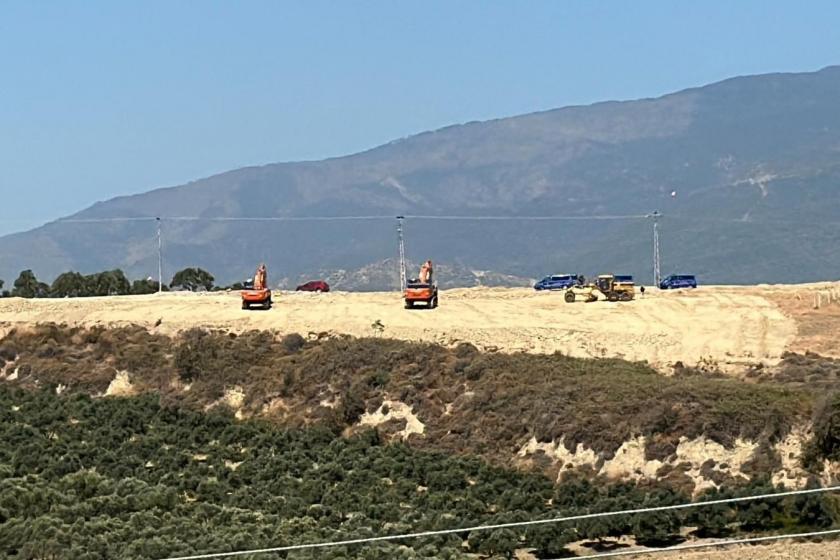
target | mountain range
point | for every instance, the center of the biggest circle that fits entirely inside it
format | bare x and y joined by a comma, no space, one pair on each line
745,173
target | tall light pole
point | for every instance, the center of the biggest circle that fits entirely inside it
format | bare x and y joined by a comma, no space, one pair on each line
160,257
402,251
656,268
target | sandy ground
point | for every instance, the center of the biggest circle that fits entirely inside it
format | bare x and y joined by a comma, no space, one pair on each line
828,549
728,325
816,310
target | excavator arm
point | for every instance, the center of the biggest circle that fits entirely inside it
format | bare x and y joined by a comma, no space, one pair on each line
426,273
261,278
259,294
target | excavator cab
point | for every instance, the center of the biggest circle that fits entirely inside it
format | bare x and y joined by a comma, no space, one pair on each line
605,283
423,290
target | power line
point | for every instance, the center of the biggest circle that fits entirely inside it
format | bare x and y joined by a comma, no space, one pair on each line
581,517
104,220
534,218
341,218
346,218
274,218
118,219
728,542
603,217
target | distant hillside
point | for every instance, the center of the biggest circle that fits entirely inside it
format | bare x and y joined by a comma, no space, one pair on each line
754,162
384,276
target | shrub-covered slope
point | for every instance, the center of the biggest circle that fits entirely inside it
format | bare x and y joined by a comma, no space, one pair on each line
445,399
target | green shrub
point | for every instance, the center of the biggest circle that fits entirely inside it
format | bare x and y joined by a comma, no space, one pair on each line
28,286
195,354
825,443
192,279
658,528
293,342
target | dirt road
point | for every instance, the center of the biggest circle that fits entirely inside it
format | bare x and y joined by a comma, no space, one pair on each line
783,551
730,326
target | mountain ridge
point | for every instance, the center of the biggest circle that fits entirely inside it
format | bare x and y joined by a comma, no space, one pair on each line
450,127
760,150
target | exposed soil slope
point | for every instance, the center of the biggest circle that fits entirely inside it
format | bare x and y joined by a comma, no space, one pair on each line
731,327
619,419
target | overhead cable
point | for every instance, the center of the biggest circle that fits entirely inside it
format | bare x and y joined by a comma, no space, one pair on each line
367,540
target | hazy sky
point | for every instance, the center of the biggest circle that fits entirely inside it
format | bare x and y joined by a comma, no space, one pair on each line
104,98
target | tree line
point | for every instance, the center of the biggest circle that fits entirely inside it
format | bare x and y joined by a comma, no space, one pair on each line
108,283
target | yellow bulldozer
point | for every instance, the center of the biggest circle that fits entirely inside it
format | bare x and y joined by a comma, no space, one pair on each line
606,286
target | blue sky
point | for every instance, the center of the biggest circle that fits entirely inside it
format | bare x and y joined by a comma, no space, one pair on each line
99,99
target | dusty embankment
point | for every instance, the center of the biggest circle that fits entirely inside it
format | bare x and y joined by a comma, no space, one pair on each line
730,326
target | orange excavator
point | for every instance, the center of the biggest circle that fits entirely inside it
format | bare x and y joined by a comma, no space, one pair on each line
257,291
423,289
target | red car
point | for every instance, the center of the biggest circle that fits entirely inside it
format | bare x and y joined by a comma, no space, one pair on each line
314,286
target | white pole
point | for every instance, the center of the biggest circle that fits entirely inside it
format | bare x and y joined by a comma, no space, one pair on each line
160,258
402,252
656,264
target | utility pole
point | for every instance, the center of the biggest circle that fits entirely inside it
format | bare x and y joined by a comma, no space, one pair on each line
402,251
160,257
656,265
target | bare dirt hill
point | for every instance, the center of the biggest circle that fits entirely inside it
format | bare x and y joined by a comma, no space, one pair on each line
728,326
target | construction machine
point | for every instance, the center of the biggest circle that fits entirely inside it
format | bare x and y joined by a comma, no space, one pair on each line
257,292
625,287
605,286
422,289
